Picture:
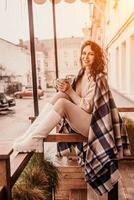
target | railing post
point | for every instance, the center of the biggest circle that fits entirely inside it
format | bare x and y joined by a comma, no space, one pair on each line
3,193
113,194
5,171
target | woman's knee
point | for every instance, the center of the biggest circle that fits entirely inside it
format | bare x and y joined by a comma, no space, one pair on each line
60,105
62,95
58,96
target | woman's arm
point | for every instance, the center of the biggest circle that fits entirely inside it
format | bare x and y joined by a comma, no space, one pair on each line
73,95
84,102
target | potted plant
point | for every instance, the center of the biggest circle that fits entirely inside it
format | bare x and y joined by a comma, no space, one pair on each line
37,181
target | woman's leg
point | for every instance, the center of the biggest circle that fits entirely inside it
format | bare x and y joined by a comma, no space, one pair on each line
46,109
43,113
38,124
57,96
34,141
39,121
78,119
40,128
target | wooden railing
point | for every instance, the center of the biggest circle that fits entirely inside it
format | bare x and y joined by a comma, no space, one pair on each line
10,169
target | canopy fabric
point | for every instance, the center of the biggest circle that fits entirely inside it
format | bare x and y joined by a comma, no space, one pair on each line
58,1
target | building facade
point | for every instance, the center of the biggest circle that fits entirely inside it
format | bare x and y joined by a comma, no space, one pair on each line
14,64
68,50
113,29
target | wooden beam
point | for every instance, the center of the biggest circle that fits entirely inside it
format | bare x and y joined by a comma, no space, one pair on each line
126,109
64,137
5,170
3,193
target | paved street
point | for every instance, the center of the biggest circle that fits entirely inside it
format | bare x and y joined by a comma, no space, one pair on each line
122,101
14,122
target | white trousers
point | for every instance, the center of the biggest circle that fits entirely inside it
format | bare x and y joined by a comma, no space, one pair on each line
78,119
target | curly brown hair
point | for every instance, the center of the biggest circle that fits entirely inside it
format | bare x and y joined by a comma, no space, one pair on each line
100,58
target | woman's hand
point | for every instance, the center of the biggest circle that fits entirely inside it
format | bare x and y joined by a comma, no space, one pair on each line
63,85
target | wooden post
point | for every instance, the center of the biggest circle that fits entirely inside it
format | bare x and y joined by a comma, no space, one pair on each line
3,193
113,194
55,38
33,57
5,171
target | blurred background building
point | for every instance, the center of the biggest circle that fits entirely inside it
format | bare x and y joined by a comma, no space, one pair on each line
111,25
14,65
68,50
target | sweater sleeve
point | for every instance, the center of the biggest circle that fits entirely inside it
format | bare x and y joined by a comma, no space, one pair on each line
86,101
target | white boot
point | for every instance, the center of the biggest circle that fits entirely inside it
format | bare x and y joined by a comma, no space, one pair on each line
34,141
44,112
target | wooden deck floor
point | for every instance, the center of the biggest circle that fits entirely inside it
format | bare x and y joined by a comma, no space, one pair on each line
126,185
73,187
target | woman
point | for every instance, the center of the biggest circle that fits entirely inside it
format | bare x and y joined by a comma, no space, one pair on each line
68,103
89,109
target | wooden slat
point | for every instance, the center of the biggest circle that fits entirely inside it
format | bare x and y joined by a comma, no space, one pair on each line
126,109
65,137
73,175
68,184
80,194
18,164
69,169
63,194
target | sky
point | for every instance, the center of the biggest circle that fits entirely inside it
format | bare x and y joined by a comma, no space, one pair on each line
70,19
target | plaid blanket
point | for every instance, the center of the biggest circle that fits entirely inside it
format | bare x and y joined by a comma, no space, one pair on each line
107,141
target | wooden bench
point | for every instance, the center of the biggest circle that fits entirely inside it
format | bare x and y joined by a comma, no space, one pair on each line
10,169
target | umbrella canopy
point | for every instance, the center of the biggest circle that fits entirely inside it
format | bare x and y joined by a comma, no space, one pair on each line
58,1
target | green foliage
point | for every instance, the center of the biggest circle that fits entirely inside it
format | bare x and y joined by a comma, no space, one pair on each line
37,180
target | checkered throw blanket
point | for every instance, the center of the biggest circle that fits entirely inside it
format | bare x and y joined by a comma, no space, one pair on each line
107,141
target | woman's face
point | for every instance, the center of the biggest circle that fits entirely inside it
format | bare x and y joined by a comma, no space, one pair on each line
87,57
